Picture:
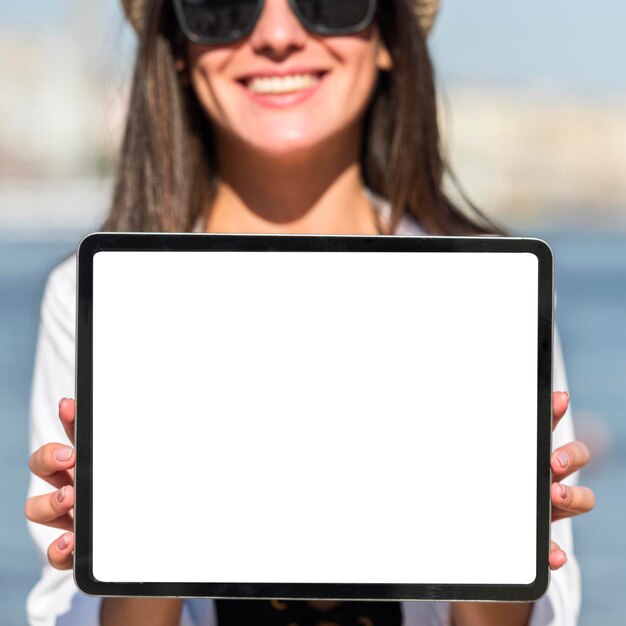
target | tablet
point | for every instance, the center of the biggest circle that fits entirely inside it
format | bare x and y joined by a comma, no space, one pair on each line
303,416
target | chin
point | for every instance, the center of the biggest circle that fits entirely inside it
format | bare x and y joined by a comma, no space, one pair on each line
285,144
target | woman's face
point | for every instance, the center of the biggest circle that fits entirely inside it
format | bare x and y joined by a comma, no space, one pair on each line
282,89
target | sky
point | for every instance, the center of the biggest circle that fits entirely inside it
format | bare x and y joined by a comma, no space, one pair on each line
555,44
573,45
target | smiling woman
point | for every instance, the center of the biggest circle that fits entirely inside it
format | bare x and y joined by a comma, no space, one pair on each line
274,116
369,122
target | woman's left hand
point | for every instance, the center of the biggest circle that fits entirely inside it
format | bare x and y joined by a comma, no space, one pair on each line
567,500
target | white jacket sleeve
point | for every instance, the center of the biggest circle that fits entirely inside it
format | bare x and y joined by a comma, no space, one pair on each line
55,600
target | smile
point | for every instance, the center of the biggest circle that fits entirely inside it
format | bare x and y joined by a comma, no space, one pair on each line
278,85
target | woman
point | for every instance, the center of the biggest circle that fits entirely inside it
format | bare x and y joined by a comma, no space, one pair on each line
286,116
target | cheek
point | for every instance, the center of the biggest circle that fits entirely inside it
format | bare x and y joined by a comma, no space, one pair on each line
356,83
205,67
205,91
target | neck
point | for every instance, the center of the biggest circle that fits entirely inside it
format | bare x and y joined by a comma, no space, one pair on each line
317,192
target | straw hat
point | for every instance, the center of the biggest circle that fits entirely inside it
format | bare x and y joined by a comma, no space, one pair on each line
426,10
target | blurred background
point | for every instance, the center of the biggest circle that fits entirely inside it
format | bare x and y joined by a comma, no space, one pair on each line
534,113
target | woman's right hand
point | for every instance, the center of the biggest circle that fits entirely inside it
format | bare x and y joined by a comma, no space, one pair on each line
54,462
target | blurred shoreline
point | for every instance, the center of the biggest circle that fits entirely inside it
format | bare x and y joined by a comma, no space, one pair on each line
43,207
518,152
525,154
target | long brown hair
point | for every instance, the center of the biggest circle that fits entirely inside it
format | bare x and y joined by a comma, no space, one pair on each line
167,169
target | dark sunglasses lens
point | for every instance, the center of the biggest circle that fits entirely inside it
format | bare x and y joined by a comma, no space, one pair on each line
334,14
219,19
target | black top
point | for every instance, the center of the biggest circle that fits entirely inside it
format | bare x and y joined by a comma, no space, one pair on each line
301,613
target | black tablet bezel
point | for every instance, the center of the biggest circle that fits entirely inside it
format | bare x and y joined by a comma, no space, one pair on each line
198,242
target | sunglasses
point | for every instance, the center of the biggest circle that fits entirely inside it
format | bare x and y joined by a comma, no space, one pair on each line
225,21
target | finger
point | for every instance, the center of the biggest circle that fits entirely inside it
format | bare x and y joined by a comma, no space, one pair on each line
67,413
52,509
557,557
568,458
60,552
568,501
560,402
53,463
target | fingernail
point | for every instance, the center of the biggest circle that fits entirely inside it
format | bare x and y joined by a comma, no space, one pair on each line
61,402
63,542
61,494
563,491
563,459
63,454
565,395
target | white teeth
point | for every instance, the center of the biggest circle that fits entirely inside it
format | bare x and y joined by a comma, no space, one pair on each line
282,84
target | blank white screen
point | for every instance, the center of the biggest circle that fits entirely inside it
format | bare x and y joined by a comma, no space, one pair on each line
314,417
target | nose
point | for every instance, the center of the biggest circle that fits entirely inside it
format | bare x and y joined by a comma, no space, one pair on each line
278,32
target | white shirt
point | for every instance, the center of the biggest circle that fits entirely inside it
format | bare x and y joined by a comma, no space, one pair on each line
55,599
